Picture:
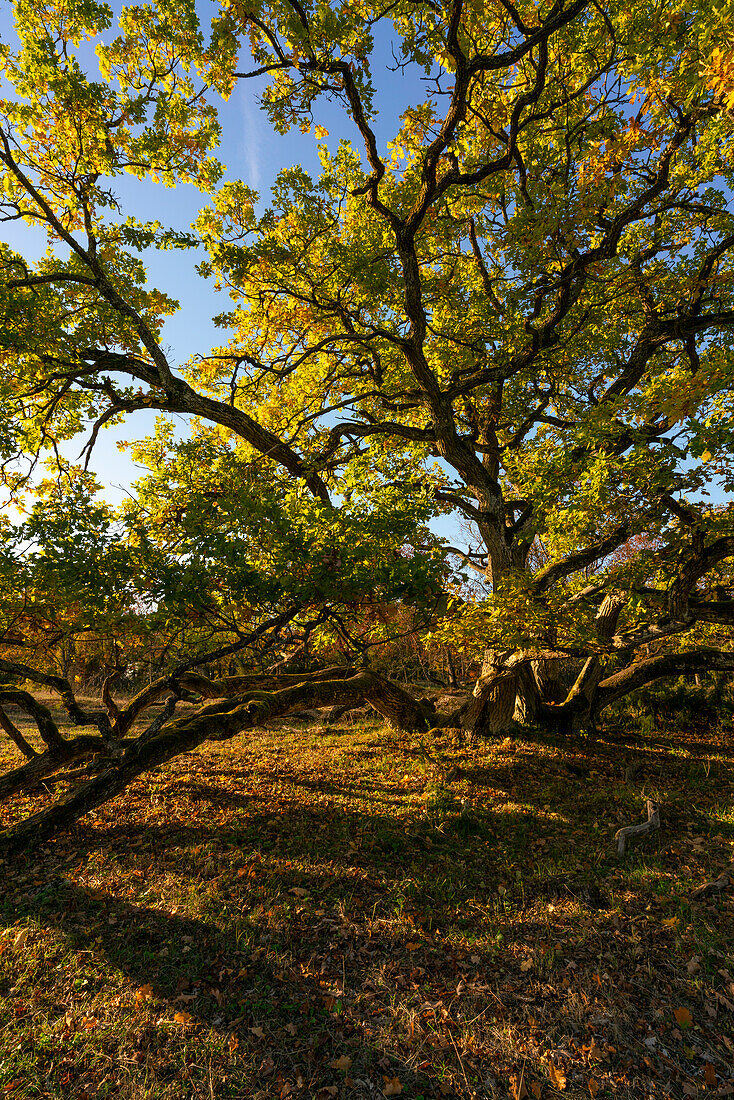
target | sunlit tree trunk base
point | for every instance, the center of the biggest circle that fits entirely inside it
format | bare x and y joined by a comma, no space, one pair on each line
493,708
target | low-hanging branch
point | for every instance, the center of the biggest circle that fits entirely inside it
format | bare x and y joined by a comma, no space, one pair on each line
216,721
41,715
646,671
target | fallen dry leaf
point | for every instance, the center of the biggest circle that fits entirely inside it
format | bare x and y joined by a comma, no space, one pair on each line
22,938
683,1017
709,1074
526,965
143,994
693,965
392,1086
183,1018
341,1063
258,1032
537,1089
593,1086
518,1090
557,1076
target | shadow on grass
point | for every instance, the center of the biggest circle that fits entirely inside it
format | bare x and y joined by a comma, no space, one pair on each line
422,947
302,1023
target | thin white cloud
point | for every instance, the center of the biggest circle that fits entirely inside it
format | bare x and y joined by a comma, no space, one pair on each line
252,135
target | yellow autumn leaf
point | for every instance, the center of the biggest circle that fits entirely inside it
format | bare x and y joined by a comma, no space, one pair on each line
557,1076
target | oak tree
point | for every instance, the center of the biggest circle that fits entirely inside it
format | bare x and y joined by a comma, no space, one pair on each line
519,309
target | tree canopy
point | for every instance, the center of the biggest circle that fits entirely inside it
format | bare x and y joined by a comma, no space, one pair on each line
518,310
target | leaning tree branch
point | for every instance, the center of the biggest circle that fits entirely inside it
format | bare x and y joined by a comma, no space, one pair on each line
621,683
59,684
16,736
45,764
217,722
556,571
41,715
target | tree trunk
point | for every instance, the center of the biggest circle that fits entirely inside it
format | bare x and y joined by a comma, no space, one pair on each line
399,709
491,711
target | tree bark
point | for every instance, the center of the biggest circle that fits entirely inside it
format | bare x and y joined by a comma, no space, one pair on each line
399,709
491,710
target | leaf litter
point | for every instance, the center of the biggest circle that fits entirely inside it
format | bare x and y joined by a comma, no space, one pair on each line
307,923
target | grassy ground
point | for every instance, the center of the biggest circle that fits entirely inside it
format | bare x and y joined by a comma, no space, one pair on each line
330,913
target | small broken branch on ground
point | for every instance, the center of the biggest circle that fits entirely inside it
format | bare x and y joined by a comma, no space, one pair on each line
653,822
718,886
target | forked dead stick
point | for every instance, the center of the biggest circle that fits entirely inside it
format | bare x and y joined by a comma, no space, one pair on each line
644,827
